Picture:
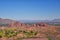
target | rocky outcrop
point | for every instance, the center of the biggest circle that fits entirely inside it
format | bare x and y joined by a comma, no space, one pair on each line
15,24
42,24
18,24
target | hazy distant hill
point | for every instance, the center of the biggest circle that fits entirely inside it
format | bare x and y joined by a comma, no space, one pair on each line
56,20
27,21
6,21
50,22
34,21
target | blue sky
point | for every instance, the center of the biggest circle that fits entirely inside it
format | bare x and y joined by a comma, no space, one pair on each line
30,9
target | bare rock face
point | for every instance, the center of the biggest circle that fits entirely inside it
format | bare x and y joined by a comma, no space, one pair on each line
23,24
42,24
15,24
34,25
18,24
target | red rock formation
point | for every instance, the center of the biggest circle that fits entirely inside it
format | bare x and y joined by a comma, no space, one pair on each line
42,24
18,24
34,25
15,24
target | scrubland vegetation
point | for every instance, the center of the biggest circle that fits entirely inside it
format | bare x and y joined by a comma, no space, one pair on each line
20,31
50,32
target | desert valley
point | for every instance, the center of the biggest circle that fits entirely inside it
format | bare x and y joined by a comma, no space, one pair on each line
16,30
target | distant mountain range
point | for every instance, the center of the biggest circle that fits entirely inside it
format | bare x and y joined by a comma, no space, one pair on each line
56,20
29,21
6,21
35,21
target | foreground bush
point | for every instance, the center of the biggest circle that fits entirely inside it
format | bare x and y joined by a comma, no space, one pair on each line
51,33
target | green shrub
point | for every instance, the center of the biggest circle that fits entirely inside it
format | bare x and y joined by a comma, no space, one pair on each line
1,33
9,33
